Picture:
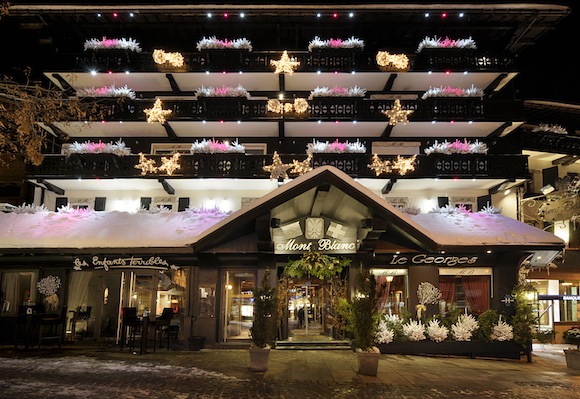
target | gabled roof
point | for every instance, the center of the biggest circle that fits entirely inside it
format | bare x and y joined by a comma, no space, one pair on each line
432,232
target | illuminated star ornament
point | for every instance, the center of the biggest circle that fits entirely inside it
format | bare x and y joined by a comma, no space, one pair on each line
397,114
146,165
285,64
170,165
302,167
174,59
401,165
277,169
157,113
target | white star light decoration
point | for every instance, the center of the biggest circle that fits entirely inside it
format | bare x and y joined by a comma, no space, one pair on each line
397,114
157,113
402,165
277,169
285,64
146,165
302,167
170,165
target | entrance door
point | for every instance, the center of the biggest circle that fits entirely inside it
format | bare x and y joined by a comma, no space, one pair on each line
237,309
309,311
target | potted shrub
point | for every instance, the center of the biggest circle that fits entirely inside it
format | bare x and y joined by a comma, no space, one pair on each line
263,330
572,337
363,317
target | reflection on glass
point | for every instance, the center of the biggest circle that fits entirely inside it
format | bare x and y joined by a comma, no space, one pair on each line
238,300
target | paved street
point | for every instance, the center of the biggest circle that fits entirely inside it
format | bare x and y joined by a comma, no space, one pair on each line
77,371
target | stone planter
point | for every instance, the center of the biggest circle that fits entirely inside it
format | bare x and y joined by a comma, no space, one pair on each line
368,363
259,359
572,358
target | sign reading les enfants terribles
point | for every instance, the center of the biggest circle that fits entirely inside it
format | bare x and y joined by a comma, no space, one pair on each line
132,262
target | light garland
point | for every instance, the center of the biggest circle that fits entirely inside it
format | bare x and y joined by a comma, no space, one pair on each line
338,92
224,91
395,61
215,43
88,147
170,165
285,64
302,167
157,113
107,91
277,169
216,147
457,147
106,44
397,114
402,165
351,42
449,91
545,127
174,59
435,42
299,106
335,147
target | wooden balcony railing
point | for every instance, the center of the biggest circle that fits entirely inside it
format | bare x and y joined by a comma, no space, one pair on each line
251,166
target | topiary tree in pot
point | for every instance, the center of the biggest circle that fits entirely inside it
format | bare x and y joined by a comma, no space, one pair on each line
263,330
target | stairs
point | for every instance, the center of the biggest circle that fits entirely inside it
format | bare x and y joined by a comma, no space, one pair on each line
313,345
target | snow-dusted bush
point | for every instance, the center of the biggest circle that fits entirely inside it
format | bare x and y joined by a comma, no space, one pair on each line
436,331
464,328
414,330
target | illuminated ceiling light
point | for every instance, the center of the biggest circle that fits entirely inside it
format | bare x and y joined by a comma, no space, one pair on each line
204,121
354,122
335,122
465,72
433,122
285,64
353,72
207,72
110,72
318,72
397,114
157,113
447,72
94,73
318,15
224,72
350,15
115,15
461,15
127,72
470,122
131,14
281,96
335,15
336,72
239,122
226,15
99,15
444,15
430,72
209,14
319,122
426,15
240,72
242,15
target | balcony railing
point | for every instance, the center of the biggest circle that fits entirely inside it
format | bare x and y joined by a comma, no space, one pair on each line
327,60
320,108
251,166
551,142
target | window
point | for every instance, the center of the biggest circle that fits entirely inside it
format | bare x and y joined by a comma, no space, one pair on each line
467,289
17,289
392,286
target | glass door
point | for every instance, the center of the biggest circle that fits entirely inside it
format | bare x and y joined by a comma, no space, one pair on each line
309,311
237,304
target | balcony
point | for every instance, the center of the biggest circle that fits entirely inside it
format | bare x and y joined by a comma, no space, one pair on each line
92,166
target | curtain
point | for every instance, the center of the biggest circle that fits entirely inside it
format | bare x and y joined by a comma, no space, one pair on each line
477,292
447,288
78,290
10,292
382,300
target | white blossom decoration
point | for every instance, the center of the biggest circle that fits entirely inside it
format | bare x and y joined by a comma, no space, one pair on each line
414,331
104,44
337,91
335,147
48,285
464,328
384,335
31,209
351,42
457,147
502,331
118,148
436,331
449,91
549,128
427,293
107,91
208,43
436,42
224,91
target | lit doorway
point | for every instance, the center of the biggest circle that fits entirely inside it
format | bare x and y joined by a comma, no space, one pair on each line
310,311
237,304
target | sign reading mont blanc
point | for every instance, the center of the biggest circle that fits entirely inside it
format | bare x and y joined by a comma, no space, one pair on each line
132,262
315,234
430,259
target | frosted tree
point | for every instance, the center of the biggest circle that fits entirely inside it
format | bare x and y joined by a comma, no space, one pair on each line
427,293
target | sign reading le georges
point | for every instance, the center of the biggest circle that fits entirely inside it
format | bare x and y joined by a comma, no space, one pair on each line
429,259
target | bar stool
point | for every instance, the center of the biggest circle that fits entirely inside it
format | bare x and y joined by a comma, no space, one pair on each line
130,326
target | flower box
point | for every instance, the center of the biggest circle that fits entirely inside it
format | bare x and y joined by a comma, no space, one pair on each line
572,358
472,349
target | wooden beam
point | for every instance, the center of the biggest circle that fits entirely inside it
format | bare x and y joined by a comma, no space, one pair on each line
173,83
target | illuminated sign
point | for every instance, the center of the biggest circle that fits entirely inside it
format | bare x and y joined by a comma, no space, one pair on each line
133,262
427,259
322,245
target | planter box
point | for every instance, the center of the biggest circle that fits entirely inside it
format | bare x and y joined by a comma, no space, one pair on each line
472,349
572,359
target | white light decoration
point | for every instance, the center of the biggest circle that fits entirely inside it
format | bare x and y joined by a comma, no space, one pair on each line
276,106
302,167
402,165
285,64
157,113
394,61
170,165
146,165
277,169
174,59
300,105
397,114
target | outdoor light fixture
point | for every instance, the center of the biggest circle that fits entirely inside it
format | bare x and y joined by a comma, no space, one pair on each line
547,189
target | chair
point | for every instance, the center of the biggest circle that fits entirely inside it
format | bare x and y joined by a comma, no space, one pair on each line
53,327
130,325
162,323
26,325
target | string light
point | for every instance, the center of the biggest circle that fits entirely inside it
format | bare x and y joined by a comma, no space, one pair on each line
302,167
275,105
285,64
277,169
300,105
170,165
157,113
146,165
396,61
402,165
161,57
397,114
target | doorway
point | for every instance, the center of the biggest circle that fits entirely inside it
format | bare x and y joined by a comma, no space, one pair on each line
237,304
310,310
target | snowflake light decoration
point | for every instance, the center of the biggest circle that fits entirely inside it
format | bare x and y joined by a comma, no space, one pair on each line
285,64
402,165
397,114
277,169
157,113
146,165
302,167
